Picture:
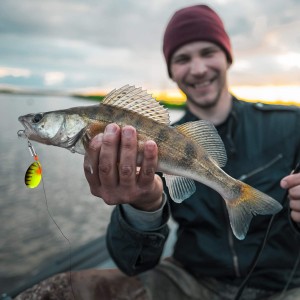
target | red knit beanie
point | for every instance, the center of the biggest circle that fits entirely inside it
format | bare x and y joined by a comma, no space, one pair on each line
195,23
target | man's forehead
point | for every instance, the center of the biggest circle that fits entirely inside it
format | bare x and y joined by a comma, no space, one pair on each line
194,46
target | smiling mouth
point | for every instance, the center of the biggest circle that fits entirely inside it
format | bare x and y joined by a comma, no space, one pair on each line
202,84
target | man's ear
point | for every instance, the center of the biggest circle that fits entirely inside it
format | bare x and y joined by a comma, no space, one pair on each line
170,73
228,64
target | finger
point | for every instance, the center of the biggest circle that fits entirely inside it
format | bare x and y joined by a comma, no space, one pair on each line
295,215
290,181
149,163
91,161
295,205
294,193
128,156
108,158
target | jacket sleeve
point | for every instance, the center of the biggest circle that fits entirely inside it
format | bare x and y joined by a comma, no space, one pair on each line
132,250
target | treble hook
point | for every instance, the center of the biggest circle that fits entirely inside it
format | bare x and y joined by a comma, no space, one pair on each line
21,134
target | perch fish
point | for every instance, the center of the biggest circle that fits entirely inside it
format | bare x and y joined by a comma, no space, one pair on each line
186,153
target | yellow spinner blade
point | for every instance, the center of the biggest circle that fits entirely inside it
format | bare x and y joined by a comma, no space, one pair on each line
33,175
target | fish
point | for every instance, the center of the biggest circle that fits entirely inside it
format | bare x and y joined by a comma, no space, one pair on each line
189,152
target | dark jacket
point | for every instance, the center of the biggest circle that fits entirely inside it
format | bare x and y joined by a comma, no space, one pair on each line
263,145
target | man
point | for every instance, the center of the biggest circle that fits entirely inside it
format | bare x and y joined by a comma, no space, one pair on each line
208,262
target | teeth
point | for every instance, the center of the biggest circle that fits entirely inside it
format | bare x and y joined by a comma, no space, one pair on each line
202,84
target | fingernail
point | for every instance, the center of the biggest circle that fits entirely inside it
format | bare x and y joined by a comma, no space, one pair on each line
127,132
111,128
284,184
150,145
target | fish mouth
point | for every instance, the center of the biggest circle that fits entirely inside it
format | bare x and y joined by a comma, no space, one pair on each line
28,132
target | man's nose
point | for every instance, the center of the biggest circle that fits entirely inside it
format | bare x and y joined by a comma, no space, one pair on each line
198,67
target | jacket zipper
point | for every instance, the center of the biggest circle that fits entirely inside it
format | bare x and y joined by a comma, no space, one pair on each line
243,177
260,169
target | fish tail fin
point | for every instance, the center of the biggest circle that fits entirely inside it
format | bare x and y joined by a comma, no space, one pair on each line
246,203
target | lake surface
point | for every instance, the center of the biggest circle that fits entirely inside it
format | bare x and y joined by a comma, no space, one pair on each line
28,236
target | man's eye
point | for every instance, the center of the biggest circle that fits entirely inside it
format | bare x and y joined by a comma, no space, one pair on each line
37,118
179,60
209,52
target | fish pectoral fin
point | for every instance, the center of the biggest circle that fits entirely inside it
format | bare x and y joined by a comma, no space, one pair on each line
86,138
180,188
206,135
248,203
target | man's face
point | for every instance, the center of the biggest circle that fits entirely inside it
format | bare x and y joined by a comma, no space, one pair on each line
200,69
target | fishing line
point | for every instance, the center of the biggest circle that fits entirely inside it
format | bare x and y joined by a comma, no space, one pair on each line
255,260
64,236
291,275
33,176
262,246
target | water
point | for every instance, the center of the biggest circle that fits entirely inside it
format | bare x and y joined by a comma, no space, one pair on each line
28,236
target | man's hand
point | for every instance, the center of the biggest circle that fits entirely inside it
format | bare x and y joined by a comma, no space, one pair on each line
111,171
292,183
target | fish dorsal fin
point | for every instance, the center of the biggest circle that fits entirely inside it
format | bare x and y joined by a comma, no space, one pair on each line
139,101
205,134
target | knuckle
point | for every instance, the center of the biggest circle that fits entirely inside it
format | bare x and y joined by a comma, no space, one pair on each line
148,172
104,168
128,144
293,194
108,140
125,170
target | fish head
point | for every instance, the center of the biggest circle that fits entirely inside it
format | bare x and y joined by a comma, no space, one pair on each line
42,127
57,128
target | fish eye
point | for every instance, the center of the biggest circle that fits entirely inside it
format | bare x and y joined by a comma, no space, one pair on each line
37,118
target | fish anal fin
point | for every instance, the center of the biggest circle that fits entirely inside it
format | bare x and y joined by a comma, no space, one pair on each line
248,203
180,188
139,101
205,134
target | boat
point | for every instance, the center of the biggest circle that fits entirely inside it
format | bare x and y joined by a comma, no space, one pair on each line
92,255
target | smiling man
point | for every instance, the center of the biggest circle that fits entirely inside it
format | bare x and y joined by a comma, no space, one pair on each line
198,54
200,71
208,263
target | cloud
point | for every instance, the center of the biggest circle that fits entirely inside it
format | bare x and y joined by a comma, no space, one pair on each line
112,42
54,78
14,72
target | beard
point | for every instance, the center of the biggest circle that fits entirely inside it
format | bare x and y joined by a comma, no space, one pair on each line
210,100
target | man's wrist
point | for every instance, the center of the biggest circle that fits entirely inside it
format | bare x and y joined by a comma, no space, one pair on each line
149,206
144,220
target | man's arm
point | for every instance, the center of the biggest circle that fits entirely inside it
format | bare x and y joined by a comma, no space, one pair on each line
135,249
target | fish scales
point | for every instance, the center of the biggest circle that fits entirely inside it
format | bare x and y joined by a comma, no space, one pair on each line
184,152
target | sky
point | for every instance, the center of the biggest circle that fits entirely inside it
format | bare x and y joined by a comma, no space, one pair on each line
78,45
